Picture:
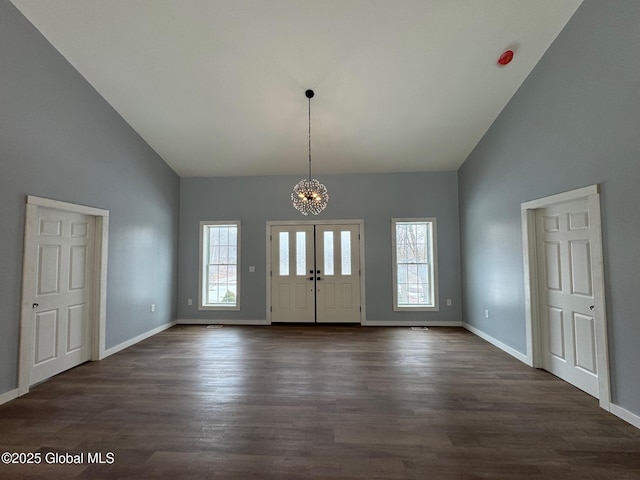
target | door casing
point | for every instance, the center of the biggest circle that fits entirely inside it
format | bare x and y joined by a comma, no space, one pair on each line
98,294
360,223
532,294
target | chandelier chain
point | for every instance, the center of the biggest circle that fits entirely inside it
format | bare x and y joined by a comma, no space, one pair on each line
309,99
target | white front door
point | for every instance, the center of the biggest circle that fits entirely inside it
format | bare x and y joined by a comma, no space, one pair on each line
292,274
566,293
62,290
315,273
338,274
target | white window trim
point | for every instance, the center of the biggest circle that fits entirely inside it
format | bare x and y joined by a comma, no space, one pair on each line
203,269
434,262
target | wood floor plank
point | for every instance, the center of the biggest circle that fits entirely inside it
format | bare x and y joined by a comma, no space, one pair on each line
317,402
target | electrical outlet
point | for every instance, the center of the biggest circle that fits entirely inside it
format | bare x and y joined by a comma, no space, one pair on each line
153,307
449,303
190,302
486,313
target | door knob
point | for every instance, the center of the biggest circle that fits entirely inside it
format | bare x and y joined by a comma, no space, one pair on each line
592,308
318,278
310,278
317,271
35,305
310,271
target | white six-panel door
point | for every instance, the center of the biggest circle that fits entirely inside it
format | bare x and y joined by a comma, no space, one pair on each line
567,304
315,273
63,274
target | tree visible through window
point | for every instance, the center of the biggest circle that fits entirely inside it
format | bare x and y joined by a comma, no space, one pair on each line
220,259
414,264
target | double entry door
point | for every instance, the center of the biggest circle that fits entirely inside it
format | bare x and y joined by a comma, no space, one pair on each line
315,273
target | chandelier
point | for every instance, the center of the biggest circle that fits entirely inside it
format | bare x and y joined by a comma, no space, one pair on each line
309,195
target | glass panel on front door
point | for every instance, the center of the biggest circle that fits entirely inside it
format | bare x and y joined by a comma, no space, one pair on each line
284,254
345,252
301,251
328,253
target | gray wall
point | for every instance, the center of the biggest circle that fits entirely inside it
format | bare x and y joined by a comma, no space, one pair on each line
574,122
374,198
59,139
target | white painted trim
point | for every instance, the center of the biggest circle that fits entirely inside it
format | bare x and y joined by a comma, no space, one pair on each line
100,272
497,343
528,219
625,415
26,325
217,321
66,206
98,296
560,197
313,222
139,338
276,223
410,323
602,342
530,267
8,396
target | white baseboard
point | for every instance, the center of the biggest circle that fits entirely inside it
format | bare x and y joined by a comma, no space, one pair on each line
414,323
497,343
625,415
217,321
8,396
139,338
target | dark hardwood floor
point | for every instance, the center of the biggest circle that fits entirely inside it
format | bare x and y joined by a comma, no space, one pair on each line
307,402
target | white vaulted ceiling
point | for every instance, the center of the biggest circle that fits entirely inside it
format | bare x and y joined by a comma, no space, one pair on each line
216,87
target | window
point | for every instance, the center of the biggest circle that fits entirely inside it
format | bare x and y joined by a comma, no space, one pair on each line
415,276
220,261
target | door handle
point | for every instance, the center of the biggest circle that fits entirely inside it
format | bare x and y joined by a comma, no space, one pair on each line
310,278
318,278
35,305
592,308
310,271
317,271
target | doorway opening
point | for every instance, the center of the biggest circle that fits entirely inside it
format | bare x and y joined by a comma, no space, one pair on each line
64,284
564,289
315,272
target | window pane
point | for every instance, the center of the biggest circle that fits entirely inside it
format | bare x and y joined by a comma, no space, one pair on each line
328,253
402,273
301,253
402,293
228,288
345,253
284,254
212,273
412,273
422,273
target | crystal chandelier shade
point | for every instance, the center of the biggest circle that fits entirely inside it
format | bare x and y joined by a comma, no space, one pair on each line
309,195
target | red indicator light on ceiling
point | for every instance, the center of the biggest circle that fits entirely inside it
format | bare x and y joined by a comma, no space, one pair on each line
505,58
